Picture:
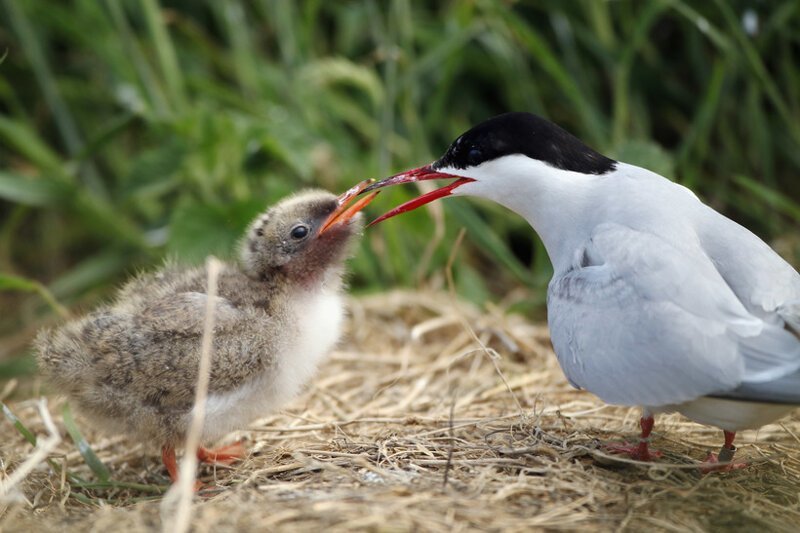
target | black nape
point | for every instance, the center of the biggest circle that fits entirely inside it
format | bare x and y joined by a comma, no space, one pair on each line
526,134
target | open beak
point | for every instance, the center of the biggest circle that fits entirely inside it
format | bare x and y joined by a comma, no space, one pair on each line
345,210
417,174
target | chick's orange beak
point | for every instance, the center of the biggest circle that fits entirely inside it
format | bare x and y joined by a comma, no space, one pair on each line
345,210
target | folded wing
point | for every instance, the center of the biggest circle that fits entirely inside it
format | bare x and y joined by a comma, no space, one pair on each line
648,320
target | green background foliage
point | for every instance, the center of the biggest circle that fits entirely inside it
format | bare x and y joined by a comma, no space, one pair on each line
133,130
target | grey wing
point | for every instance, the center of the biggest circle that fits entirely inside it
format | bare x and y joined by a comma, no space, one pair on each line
773,358
762,280
641,320
785,389
791,314
769,288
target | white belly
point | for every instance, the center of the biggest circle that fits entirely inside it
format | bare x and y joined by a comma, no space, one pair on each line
319,318
730,415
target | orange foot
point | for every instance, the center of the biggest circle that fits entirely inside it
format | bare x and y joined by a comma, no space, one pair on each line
223,455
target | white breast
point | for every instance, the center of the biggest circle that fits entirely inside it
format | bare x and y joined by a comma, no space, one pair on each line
319,316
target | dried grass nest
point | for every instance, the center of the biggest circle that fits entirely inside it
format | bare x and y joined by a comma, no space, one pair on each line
432,415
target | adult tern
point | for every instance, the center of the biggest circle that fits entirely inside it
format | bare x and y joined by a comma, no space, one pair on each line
656,300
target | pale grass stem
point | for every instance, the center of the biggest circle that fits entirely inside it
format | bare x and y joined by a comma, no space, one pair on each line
183,490
43,448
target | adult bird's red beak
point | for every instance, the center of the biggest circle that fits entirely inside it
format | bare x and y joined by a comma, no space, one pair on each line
418,174
344,210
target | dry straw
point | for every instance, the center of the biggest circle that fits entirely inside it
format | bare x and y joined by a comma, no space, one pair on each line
44,447
409,398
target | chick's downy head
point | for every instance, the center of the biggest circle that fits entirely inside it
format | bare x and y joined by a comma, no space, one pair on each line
295,237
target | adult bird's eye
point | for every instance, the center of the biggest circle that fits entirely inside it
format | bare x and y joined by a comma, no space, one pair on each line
299,232
474,156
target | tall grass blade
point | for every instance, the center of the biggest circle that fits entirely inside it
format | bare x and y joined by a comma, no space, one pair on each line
9,282
31,44
95,464
18,425
167,58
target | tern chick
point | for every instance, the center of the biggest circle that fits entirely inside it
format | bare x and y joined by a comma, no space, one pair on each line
132,366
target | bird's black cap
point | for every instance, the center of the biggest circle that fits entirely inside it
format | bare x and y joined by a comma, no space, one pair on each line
526,134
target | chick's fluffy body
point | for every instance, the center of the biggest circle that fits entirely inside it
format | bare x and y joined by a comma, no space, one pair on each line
131,366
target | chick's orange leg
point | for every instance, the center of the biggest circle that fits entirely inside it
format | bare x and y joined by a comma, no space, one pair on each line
171,463
168,457
224,455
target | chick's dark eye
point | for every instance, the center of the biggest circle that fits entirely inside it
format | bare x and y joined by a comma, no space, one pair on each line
474,156
299,232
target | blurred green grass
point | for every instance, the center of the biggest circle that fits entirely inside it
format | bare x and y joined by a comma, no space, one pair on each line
131,130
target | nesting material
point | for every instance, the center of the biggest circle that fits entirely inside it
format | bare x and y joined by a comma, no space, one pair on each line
434,416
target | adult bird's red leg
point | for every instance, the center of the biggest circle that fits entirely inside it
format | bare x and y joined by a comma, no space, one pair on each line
641,450
725,456
223,455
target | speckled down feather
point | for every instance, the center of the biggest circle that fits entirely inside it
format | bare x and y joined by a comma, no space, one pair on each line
131,366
